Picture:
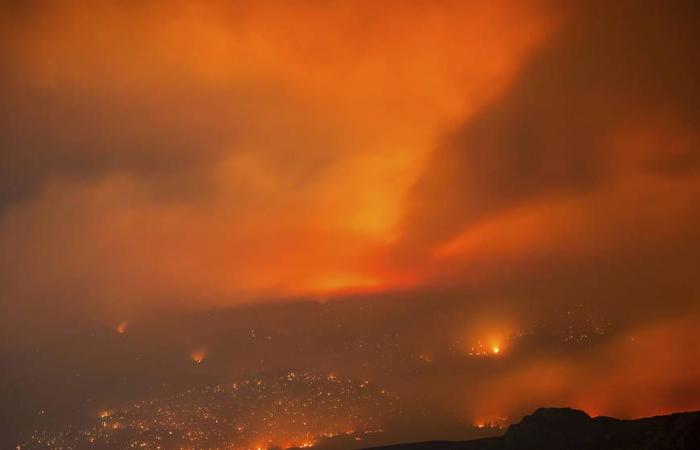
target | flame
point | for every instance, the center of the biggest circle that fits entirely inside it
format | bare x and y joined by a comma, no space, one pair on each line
199,356
491,422
121,327
489,341
481,349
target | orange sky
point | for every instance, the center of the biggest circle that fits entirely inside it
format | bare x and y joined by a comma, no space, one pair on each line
221,153
478,162
232,151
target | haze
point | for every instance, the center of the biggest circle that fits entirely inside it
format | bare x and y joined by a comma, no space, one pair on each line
472,208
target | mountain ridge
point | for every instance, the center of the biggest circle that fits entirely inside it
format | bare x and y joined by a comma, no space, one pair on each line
571,429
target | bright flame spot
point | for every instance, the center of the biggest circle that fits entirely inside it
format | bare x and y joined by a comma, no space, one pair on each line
482,349
105,413
121,327
493,422
199,356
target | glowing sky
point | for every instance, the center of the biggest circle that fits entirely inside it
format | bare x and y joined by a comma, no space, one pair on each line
233,150
169,156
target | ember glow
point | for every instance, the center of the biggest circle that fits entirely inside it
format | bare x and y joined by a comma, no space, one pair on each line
283,411
199,356
498,422
121,327
472,209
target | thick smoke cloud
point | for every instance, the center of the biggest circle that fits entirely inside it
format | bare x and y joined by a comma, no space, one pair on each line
189,154
581,181
613,68
519,176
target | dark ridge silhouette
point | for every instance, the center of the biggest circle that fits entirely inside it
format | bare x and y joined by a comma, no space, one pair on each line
570,429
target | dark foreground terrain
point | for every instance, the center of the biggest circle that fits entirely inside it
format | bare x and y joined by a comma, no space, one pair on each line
570,429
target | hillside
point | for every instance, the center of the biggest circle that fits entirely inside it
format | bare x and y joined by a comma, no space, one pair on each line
570,429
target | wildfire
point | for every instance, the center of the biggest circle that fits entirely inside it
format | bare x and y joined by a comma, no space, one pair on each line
225,415
481,349
287,445
493,423
199,356
121,327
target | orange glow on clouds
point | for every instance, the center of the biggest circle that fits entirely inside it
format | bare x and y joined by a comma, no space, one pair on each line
195,155
311,144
